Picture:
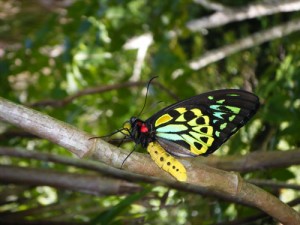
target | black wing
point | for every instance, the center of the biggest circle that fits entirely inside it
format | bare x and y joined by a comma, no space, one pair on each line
201,124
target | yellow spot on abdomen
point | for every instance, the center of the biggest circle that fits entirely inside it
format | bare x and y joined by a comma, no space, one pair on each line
166,161
163,119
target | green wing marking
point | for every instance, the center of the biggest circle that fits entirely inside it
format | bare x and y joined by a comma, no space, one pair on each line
189,127
202,123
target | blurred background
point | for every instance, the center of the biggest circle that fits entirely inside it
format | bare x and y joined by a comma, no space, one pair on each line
87,63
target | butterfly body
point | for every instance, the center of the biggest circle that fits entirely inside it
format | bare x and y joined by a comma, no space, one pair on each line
141,132
192,127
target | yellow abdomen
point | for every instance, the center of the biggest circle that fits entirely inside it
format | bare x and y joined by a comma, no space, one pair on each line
166,161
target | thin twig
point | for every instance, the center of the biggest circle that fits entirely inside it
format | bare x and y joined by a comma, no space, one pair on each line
86,183
211,5
97,90
253,161
274,184
248,42
225,15
87,91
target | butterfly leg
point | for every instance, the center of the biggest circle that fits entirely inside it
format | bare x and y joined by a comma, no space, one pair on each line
166,161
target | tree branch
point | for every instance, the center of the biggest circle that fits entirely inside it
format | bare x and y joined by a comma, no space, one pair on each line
211,5
262,160
86,183
205,179
274,184
248,42
98,90
87,91
225,15
253,161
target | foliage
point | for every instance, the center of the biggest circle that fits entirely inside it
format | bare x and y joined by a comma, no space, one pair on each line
50,52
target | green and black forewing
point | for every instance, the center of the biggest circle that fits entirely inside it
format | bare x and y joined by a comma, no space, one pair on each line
201,124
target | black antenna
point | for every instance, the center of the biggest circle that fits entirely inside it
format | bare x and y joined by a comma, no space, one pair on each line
128,156
120,130
108,135
149,82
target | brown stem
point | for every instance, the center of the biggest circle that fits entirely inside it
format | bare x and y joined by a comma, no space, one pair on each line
91,184
225,15
274,184
253,161
98,90
244,43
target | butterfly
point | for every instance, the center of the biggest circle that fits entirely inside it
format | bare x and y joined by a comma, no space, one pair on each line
192,127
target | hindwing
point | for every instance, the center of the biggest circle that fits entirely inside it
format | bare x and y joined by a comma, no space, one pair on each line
201,124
